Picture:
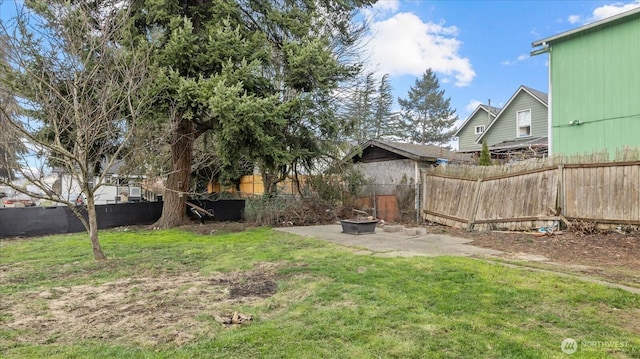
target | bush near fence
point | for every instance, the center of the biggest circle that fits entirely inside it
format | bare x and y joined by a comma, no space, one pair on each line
536,193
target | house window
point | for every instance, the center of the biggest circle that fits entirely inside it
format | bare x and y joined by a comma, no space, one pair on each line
524,123
479,129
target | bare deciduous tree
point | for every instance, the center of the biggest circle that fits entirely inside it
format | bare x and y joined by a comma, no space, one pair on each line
82,90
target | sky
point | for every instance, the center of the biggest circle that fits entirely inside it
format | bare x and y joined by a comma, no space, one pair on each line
479,50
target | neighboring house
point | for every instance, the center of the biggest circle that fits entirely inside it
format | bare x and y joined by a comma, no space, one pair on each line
116,188
594,85
385,162
474,127
518,130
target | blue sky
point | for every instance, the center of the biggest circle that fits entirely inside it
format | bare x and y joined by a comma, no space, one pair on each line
478,49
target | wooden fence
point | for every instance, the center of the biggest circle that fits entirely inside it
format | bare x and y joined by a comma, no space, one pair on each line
605,193
252,185
534,196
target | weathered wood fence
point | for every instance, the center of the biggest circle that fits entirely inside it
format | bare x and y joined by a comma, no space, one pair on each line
522,199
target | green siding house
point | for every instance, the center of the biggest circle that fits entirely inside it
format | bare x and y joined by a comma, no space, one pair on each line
474,127
517,131
594,85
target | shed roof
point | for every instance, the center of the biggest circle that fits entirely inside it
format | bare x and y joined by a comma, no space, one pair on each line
411,151
612,20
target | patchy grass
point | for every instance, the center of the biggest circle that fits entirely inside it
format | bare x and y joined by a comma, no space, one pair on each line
162,294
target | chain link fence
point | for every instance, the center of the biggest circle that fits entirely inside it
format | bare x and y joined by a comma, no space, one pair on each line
390,202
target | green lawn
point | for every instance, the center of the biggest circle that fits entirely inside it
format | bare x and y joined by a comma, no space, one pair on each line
160,293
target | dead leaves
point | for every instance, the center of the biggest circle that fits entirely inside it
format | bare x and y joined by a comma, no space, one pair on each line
236,318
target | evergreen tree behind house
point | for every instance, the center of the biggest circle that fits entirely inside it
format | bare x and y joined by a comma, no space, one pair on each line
426,112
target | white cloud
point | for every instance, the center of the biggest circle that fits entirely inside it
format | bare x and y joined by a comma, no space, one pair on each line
472,105
380,9
520,58
573,19
604,12
614,9
404,44
387,5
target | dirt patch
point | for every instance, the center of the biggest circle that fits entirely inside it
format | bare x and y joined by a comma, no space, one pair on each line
612,255
173,309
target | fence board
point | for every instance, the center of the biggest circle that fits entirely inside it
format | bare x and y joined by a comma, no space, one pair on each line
634,194
600,183
572,190
592,189
618,192
629,188
607,193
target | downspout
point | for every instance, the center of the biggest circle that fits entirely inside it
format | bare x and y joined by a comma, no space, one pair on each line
417,194
549,110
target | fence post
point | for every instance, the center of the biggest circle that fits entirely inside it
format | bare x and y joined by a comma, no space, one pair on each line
561,195
417,204
476,200
375,202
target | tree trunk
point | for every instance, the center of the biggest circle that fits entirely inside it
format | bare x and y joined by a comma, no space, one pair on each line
93,229
268,181
174,212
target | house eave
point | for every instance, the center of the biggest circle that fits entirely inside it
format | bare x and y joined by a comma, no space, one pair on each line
466,122
544,49
593,25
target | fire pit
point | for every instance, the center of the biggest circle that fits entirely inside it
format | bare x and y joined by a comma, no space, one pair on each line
359,225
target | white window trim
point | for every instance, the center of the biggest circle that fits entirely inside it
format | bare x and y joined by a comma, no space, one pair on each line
530,123
481,127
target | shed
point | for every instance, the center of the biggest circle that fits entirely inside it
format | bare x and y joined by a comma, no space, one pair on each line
386,162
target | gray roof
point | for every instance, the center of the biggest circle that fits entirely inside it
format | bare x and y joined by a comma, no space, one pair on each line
542,97
494,110
413,151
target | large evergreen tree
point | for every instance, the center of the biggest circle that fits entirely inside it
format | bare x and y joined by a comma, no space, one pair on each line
383,124
427,113
369,111
260,74
362,109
